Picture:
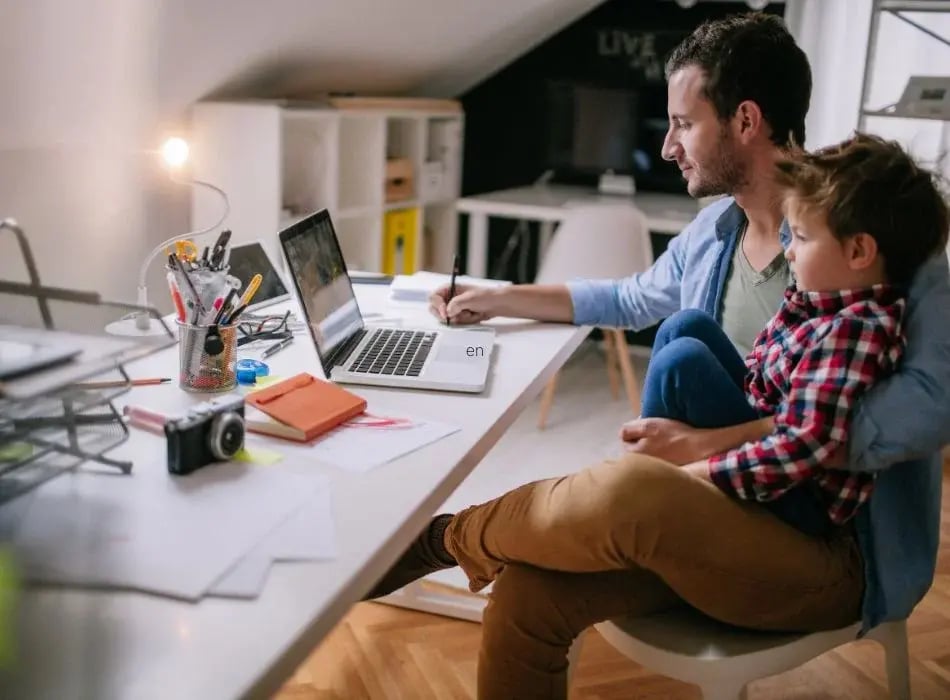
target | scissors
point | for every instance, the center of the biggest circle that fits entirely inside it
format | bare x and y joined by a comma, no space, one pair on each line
186,251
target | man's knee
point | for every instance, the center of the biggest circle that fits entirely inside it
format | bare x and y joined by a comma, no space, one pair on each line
529,600
686,323
642,489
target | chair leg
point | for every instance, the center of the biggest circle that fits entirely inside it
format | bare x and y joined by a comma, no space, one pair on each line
547,398
893,637
613,375
626,369
725,692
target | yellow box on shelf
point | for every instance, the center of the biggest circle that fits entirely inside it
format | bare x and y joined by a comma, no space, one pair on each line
400,241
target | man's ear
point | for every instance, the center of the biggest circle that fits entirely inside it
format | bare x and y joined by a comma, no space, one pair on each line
748,120
862,251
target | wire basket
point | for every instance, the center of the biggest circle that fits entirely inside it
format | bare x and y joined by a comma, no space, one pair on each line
206,365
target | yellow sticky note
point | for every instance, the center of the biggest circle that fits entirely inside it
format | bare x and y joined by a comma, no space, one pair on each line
266,381
15,451
258,456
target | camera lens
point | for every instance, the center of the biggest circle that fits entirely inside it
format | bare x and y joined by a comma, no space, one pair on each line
226,435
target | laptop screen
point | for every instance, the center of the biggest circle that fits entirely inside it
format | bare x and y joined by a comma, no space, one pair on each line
323,286
245,261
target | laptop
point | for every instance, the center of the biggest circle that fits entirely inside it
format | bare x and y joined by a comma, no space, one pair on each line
249,259
353,352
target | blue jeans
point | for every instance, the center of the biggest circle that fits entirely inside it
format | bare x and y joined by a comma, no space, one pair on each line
696,376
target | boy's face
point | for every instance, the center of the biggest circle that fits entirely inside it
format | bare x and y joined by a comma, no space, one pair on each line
697,140
819,261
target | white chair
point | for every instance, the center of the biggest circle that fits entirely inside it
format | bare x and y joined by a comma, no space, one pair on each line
600,241
720,659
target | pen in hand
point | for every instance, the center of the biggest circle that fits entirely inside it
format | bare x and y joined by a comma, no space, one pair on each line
455,272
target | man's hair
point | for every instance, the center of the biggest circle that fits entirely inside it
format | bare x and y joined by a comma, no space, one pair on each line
866,184
751,57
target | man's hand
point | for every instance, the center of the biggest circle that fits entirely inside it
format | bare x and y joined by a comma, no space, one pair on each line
470,304
664,438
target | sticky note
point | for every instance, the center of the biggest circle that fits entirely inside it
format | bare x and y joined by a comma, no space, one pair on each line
258,455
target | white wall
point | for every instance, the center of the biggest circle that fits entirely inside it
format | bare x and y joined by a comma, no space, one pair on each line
88,87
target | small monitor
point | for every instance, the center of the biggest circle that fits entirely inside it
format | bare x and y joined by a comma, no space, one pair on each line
250,259
590,129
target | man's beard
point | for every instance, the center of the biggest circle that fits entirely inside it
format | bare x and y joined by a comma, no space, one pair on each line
724,175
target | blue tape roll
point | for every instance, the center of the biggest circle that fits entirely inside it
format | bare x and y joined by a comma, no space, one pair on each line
259,368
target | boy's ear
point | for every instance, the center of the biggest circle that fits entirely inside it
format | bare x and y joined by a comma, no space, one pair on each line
861,250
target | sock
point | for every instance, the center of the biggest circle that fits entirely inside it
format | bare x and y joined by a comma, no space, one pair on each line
437,539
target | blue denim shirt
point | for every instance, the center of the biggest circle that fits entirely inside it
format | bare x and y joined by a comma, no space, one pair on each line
898,426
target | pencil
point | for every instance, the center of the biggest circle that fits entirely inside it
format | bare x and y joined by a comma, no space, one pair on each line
120,382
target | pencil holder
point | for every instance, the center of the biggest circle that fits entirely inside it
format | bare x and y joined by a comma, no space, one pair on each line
207,358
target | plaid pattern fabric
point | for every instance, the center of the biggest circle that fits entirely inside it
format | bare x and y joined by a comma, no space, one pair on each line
807,368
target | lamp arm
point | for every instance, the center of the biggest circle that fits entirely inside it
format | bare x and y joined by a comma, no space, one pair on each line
142,300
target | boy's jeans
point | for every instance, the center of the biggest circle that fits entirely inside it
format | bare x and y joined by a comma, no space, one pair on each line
696,376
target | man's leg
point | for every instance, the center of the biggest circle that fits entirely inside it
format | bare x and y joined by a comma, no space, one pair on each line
534,615
732,560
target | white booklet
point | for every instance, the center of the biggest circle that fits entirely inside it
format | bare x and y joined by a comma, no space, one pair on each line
420,285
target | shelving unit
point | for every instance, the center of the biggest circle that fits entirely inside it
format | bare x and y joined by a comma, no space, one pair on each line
899,9
281,161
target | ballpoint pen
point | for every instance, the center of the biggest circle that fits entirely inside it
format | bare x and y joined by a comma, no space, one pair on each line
455,272
277,347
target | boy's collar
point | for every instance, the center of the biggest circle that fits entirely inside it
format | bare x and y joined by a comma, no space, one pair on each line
731,221
836,300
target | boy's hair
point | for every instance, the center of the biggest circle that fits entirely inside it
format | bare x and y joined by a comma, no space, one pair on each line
751,57
866,184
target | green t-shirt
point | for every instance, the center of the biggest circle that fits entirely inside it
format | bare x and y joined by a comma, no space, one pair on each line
751,298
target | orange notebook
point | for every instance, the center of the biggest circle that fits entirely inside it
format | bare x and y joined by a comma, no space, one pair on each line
302,407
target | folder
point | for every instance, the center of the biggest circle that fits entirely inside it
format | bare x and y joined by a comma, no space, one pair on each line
301,408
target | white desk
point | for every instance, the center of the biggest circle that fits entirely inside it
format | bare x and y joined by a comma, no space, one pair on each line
102,644
549,204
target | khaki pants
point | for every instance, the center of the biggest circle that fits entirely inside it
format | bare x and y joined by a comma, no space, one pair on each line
632,537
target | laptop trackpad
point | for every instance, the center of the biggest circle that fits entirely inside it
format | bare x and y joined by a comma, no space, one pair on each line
454,353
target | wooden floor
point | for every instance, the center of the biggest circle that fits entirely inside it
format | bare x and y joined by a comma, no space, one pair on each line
382,652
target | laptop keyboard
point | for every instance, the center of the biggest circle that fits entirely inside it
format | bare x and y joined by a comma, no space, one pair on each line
396,352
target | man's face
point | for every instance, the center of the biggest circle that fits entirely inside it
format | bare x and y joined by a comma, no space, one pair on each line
701,145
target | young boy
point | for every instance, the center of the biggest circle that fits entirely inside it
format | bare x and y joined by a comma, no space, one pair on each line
864,217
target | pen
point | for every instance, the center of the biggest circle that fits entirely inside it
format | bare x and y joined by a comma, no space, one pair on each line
251,289
176,297
455,272
111,384
277,347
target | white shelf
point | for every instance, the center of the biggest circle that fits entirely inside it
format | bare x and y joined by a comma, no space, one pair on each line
278,164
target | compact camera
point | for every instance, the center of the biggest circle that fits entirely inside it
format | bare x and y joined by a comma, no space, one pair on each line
209,432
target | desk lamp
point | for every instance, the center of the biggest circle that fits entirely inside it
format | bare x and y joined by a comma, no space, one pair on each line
175,154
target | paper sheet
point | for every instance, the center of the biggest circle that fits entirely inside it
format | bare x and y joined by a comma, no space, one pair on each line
306,535
361,448
151,531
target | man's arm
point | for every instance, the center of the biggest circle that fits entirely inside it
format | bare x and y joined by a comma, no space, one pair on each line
907,415
637,301
812,421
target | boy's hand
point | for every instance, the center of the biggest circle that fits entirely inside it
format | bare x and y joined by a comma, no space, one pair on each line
663,438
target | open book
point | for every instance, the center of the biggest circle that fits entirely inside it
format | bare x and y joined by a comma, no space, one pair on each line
418,286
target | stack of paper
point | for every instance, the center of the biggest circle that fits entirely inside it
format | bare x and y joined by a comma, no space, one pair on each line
418,286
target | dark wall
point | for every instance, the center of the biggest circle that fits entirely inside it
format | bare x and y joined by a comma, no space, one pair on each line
621,44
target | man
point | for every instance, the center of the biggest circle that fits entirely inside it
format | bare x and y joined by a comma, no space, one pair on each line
640,535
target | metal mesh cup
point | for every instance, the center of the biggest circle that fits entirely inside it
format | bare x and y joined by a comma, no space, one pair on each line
205,365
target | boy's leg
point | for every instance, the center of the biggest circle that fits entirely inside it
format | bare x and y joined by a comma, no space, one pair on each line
693,323
695,374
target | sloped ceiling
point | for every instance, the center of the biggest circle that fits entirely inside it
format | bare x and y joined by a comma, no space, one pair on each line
395,47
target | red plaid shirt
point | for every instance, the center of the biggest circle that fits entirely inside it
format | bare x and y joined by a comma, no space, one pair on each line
807,368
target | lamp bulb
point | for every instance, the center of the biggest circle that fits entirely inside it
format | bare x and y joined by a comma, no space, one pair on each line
175,152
